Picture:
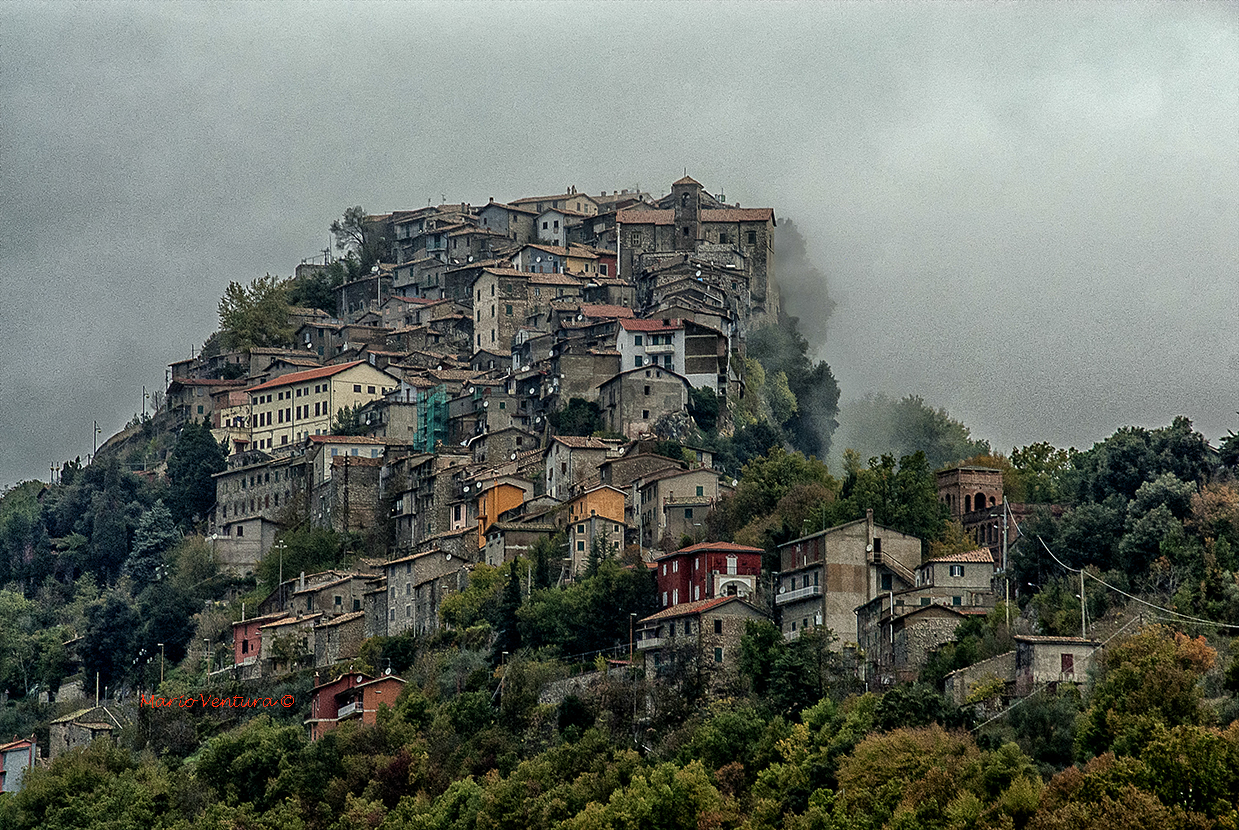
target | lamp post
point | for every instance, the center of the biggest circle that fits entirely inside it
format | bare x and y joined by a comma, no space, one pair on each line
161,656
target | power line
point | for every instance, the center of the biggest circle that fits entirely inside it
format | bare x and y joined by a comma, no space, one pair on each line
1083,573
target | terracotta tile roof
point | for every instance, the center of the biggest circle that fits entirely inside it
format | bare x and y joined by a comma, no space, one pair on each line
302,377
645,217
686,180
201,382
578,253
566,212
581,442
606,310
1033,638
970,556
562,197
346,439
291,620
737,215
685,609
702,547
343,618
554,279
505,206
651,325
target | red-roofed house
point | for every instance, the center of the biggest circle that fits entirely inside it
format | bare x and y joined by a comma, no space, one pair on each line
292,407
705,634
708,570
353,696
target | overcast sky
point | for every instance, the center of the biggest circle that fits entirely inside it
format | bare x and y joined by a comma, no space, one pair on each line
1027,213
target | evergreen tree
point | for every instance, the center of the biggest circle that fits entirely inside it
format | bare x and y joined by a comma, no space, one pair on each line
155,534
196,457
508,635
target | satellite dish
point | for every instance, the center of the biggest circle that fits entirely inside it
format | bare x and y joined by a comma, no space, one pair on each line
699,272
360,678
538,420
868,548
537,259
580,316
387,671
466,488
782,589
447,557
526,369
470,390
469,259
513,457
485,404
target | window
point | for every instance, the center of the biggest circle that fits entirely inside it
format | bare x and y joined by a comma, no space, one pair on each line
240,530
580,528
645,414
886,582
701,491
671,628
718,652
957,601
1068,664
369,390
356,387
957,570
688,512
647,390
752,237
580,546
637,341
508,310
718,626
924,600
245,647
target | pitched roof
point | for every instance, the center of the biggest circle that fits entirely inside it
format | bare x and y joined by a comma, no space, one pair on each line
346,439
308,375
702,547
554,279
737,215
686,180
581,442
208,382
685,609
506,206
606,310
645,217
969,556
651,325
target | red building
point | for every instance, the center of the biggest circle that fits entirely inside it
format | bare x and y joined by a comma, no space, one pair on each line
707,570
353,696
247,638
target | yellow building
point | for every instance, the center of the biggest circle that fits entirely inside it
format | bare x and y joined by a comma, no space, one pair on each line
292,407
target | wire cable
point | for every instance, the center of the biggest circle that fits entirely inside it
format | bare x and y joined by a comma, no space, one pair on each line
1179,615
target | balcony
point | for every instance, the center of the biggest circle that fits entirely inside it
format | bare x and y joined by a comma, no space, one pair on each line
800,593
651,642
662,348
353,708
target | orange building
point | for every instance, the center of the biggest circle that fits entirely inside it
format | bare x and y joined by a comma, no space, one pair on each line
496,496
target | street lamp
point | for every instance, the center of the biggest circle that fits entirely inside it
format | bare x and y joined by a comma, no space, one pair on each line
161,656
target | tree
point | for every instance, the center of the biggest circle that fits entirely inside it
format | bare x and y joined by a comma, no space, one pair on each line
255,316
195,459
1038,471
507,629
580,417
109,642
361,236
703,406
1148,680
347,422
155,534
877,425
903,497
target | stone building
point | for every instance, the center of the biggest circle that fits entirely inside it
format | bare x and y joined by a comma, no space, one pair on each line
826,575
690,220
635,399
702,635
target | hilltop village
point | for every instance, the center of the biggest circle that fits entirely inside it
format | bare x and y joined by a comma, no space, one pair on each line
454,365
512,516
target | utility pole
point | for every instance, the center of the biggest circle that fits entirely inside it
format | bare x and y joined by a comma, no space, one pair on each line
1083,622
1006,574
